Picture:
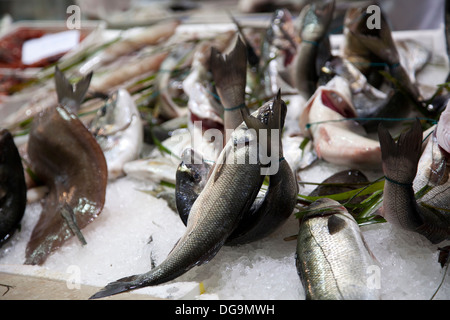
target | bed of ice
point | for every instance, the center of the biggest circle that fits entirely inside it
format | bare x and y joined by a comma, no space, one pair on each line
136,229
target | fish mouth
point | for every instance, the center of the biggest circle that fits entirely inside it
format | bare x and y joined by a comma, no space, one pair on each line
336,102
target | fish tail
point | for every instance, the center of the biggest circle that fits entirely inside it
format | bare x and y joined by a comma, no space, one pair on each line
230,74
400,159
68,94
119,286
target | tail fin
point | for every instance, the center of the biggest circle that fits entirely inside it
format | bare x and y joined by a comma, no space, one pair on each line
400,159
70,95
119,286
230,74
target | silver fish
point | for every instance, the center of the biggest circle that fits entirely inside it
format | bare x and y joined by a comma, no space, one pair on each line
231,189
332,258
118,130
428,215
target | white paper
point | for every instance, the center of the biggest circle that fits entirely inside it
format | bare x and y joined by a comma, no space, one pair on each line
49,45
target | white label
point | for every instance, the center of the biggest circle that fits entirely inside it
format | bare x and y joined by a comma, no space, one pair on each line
49,45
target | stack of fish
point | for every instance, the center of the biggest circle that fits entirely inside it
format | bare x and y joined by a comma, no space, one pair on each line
238,92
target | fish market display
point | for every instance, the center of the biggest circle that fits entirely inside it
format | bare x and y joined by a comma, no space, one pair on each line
179,160
332,258
12,187
231,189
66,157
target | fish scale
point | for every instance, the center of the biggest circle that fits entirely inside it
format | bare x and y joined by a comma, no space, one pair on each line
333,265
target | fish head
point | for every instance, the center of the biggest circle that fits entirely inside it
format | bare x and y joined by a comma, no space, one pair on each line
193,170
315,19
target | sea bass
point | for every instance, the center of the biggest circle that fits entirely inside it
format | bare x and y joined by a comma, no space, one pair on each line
429,214
67,158
13,189
118,130
232,187
332,258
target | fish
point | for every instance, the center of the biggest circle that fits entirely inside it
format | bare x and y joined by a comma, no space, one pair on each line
203,103
278,49
332,259
191,177
443,129
230,78
118,129
327,119
178,61
129,43
232,187
13,188
65,156
429,214
266,214
375,49
315,21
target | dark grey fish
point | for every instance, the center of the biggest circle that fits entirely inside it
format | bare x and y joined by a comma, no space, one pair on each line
429,215
191,177
13,189
332,257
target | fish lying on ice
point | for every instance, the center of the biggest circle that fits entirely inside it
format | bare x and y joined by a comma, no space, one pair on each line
332,257
232,187
13,189
428,215
67,158
266,214
118,130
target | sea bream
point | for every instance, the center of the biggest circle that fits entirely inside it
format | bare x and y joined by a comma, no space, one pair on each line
65,156
337,138
404,180
231,189
332,258
13,189
118,130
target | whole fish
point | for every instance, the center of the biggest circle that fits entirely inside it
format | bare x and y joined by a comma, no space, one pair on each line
429,214
68,159
315,18
13,189
117,127
232,187
337,138
332,258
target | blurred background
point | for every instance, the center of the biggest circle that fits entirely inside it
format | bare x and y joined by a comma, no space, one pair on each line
402,14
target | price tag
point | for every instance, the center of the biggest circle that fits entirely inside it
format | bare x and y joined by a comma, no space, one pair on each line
49,45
